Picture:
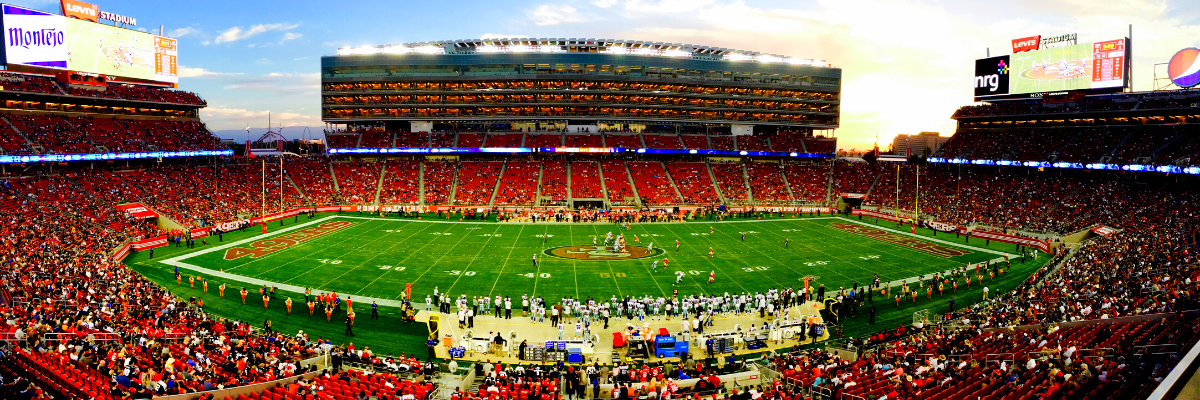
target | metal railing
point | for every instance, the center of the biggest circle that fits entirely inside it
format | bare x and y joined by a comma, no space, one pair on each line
1156,349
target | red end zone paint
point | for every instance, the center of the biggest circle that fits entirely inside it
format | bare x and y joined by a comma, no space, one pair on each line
271,245
900,240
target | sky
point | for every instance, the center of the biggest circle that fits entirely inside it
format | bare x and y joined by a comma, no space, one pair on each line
906,65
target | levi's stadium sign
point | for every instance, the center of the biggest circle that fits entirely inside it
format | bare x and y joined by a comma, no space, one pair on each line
1026,44
91,12
1032,43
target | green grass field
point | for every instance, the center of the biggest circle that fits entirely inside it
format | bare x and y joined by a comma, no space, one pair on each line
109,50
372,258
1027,79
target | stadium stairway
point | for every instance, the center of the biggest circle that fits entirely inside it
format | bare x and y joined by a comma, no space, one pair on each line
454,184
379,185
633,184
333,178
496,187
667,173
874,183
746,181
829,187
421,183
14,141
570,190
537,187
788,186
297,187
713,176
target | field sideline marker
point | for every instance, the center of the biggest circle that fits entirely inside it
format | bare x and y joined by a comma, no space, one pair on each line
176,262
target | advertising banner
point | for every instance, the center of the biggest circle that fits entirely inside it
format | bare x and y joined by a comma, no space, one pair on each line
75,42
1026,44
81,10
34,38
1035,69
991,76
941,226
1003,238
122,252
1104,230
150,243
137,210
873,214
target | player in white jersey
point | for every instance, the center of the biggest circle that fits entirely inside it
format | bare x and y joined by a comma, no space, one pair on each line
655,265
678,277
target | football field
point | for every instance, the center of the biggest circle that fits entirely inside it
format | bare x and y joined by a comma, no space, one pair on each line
373,258
1052,69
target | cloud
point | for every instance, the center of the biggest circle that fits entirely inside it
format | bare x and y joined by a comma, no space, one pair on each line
219,117
548,14
604,3
290,36
501,36
896,77
186,31
186,72
237,33
277,84
263,61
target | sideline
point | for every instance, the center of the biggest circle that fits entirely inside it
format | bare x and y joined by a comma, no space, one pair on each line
177,261
913,279
465,221
930,239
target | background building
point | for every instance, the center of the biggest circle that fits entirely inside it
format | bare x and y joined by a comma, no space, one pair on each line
923,144
577,85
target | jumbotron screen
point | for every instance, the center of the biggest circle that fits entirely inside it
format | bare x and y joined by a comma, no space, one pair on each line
42,39
1081,67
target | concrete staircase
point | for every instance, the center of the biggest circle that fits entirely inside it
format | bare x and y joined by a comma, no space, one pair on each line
379,186
421,183
537,194
637,198
829,184
603,186
333,178
29,144
453,184
667,172
713,178
787,185
570,193
499,178
297,187
746,181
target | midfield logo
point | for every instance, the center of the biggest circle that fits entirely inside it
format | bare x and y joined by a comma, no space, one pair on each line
601,253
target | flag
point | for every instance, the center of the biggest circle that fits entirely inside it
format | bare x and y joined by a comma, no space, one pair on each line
908,152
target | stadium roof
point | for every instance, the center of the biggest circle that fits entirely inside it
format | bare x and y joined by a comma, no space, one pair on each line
577,45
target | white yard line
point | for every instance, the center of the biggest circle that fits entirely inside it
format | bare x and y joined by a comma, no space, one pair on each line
930,239
475,258
177,262
394,266
506,259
